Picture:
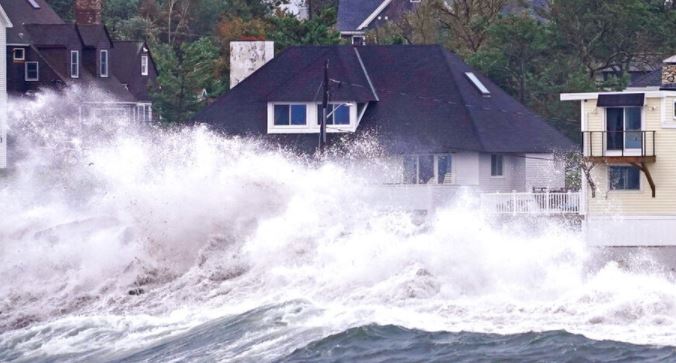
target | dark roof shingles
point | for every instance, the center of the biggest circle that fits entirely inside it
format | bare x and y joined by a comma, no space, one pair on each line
426,104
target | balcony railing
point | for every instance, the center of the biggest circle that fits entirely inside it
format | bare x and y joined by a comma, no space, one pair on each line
619,143
531,203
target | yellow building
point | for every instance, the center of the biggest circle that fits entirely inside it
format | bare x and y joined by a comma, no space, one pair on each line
629,149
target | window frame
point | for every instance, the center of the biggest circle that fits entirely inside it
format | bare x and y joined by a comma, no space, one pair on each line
625,118
434,179
495,167
37,71
290,115
331,112
103,74
75,74
144,64
639,187
23,54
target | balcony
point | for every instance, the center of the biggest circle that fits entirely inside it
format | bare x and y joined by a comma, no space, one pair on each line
620,147
636,148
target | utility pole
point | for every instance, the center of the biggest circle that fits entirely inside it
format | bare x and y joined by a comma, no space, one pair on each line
325,106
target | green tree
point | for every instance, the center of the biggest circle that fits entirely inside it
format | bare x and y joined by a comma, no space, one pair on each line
183,74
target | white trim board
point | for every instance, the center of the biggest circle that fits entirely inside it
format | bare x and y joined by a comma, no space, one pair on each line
373,15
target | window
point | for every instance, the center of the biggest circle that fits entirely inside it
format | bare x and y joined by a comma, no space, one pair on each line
286,115
623,126
103,63
18,54
496,165
444,169
337,114
624,178
427,169
32,71
144,112
357,40
477,83
74,64
34,4
144,65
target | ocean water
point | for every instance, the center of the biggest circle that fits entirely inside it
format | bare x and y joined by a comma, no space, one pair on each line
121,243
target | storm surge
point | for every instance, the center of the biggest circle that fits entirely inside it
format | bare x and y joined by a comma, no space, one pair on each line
131,242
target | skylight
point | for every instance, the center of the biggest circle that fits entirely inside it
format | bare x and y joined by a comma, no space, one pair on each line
34,4
477,83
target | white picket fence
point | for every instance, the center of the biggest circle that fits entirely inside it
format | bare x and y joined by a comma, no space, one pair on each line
531,203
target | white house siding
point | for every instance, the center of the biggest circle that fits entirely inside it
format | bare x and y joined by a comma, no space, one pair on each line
543,171
3,95
466,168
513,178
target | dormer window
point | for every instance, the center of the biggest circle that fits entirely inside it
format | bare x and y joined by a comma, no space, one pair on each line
18,54
74,64
144,65
103,63
286,115
337,114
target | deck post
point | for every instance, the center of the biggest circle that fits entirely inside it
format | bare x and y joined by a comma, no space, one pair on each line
514,202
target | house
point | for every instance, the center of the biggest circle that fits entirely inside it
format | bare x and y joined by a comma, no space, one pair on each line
630,161
44,52
5,23
439,122
298,8
356,17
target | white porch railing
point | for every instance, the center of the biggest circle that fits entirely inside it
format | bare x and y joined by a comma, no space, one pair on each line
531,203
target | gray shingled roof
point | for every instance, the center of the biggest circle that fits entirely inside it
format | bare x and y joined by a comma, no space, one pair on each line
652,79
20,12
351,13
426,102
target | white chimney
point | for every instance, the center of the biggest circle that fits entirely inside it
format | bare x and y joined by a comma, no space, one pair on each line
247,56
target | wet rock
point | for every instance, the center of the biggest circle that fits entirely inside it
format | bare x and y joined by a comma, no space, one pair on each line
137,291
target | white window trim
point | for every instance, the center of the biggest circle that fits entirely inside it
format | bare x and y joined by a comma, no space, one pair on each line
435,166
23,54
77,64
37,68
101,57
627,152
311,125
624,191
144,64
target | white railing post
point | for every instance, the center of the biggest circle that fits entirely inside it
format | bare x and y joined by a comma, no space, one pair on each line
513,202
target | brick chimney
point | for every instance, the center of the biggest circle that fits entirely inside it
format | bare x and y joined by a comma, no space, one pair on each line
669,73
247,56
88,12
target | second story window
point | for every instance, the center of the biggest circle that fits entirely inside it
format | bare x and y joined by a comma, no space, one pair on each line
103,63
18,54
286,115
623,126
337,114
496,165
32,71
74,64
144,65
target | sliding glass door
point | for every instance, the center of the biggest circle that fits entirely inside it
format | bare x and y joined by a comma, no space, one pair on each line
623,126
